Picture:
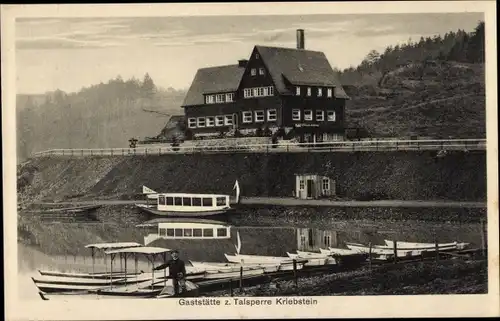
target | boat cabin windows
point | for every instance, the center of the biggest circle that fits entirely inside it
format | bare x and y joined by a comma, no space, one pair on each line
163,232
161,200
197,232
170,201
178,232
170,232
208,232
196,201
221,232
221,201
207,201
178,201
186,201
188,232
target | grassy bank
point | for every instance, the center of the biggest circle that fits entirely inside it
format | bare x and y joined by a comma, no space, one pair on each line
444,277
458,176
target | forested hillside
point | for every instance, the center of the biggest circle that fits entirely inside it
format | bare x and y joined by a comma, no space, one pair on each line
103,115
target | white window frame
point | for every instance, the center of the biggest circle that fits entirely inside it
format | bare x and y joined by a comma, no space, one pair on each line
210,121
253,71
331,115
297,91
219,98
325,182
262,115
255,92
302,184
271,90
262,71
320,115
228,120
320,92
256,56
229,97
308,91
308,115
199,124
210,99
329,92
295,114
247,92
265,91
219,121
272,115
246,117
192,122
260,92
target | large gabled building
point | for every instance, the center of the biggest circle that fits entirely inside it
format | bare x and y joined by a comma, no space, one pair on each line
290,88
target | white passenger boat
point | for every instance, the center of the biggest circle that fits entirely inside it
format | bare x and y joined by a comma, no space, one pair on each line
93,274
285,263
378,250
312,259
188,204
337,252
426,246
268,267
187,228
138,286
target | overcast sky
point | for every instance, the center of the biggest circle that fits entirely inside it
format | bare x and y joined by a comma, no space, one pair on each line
67,54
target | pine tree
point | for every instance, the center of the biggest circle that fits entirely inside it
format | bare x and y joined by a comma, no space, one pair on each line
148,87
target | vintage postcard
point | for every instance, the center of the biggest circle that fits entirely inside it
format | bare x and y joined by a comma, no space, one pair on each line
250,160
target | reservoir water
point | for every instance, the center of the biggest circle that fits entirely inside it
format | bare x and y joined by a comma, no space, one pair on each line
61,245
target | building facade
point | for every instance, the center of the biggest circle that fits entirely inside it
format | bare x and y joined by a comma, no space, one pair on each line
293,89
313,186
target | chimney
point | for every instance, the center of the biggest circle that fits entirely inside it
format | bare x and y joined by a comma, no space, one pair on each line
300,39
242,63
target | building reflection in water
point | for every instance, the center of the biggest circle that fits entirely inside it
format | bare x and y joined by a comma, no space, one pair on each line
312,239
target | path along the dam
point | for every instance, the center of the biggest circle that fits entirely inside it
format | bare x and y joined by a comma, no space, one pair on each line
282,201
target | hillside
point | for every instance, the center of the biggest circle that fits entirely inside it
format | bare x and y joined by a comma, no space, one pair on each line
359,175
440,100
434,87
104,115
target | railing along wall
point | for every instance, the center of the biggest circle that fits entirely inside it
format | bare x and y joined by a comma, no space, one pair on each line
337,146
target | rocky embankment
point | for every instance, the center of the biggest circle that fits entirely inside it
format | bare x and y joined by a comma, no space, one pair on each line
457,176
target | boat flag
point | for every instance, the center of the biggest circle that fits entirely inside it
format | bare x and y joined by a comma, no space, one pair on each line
237,188
149,192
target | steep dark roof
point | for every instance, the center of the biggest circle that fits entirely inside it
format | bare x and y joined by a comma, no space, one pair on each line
213,80
300,67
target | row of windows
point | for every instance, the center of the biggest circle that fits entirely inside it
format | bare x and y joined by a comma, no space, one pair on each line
325,184
319,92
308,115
258,92
210,121
253,71
219,98
190,201
258,116
327,241
192,232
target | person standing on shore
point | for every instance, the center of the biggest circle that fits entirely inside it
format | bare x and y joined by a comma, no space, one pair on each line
176,271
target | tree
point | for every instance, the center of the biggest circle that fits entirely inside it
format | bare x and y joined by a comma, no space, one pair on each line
148,87
475,48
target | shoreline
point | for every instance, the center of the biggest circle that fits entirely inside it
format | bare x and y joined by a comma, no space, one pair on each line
294,202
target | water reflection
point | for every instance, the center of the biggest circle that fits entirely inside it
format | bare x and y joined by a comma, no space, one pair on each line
185,229
209,240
